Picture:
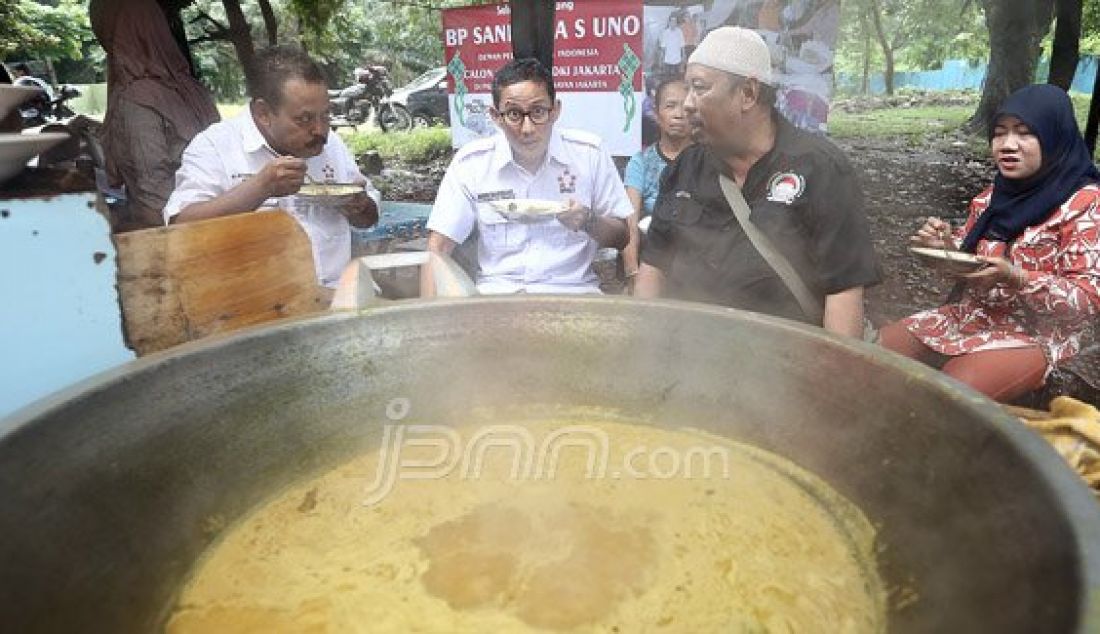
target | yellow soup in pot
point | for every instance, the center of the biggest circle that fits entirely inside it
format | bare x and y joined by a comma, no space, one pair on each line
566,525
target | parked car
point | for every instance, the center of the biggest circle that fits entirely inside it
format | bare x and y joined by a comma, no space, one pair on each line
424,98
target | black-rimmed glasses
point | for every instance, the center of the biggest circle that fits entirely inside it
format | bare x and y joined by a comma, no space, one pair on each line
538,115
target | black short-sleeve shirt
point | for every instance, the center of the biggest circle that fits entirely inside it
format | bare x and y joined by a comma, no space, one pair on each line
804,195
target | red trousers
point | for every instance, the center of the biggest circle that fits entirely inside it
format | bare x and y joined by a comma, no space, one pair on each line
1002,375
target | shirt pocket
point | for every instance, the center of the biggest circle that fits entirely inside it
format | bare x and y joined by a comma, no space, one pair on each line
685,212
695,230
561,236
493,228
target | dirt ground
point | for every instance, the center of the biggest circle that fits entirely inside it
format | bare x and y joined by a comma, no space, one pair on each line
903,184
904,181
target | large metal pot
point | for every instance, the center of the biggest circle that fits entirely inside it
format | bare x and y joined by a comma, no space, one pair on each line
112,490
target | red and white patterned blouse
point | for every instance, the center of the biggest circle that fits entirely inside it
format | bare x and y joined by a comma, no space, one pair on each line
1061,256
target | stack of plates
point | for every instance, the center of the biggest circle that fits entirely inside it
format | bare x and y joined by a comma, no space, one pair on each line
17,149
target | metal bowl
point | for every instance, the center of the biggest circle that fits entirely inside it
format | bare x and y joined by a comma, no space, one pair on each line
112,490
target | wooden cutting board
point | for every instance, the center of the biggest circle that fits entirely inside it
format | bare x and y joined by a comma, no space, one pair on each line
192,280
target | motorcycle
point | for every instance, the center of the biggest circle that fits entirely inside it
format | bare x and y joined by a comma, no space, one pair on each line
41,109
83,150
354,105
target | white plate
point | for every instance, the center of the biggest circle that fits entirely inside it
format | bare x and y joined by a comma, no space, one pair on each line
525,209
328,190
16,149
957,262
12,96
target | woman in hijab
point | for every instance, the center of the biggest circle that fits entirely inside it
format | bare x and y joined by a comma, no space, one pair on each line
154,105
1037,229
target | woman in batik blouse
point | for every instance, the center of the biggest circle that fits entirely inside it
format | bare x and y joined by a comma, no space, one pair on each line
1037,228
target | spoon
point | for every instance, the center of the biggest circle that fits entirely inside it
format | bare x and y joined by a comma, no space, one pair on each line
270,149
945,238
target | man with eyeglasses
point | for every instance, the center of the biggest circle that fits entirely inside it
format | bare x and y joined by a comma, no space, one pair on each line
263,156
530,160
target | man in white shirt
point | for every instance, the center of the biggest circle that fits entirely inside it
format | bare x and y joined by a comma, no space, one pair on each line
262,157
672,47
529,159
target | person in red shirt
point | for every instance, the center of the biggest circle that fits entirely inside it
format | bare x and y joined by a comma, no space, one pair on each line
1006,326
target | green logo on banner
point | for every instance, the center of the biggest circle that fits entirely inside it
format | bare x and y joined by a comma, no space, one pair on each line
628,65
458,71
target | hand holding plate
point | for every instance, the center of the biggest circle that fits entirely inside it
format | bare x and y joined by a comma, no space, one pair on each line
997,271
574,216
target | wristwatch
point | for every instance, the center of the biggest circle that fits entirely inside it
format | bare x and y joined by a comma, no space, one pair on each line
590,221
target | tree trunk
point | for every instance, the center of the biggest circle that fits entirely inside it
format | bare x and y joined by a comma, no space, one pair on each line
1094,116
533,30
865,83
270,23
240,34
1016,30
172,10
887,51
1067,39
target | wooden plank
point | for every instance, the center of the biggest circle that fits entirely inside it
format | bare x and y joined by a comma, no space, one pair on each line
188,281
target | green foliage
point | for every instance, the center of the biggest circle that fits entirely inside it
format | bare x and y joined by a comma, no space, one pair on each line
403,35
415,146
923,33
216,61
1090,28
35,30
313,15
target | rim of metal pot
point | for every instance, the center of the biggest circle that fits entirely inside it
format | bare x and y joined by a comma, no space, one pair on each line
1077,501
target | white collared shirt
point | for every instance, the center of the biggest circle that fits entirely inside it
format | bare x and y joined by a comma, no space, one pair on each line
222,156
538,257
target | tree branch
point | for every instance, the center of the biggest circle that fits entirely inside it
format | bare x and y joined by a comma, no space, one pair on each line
210,38
270,23
884,43
214,30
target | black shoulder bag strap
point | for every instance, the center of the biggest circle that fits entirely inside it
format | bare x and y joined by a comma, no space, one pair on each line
811,307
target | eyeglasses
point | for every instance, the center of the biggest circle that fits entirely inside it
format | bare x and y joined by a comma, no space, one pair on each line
538,115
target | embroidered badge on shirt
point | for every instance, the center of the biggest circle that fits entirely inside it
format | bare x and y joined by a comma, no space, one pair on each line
567,183
785,187
503,194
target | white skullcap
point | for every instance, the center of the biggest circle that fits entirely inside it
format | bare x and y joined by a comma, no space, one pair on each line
735,50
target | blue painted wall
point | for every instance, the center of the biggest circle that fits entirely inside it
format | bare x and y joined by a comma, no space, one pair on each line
59,314
960,75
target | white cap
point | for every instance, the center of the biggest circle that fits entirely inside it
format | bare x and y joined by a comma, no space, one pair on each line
735,50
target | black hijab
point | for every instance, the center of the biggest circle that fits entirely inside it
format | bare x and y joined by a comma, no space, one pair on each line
1017,204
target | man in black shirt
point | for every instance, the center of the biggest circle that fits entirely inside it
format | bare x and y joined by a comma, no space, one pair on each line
803,195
